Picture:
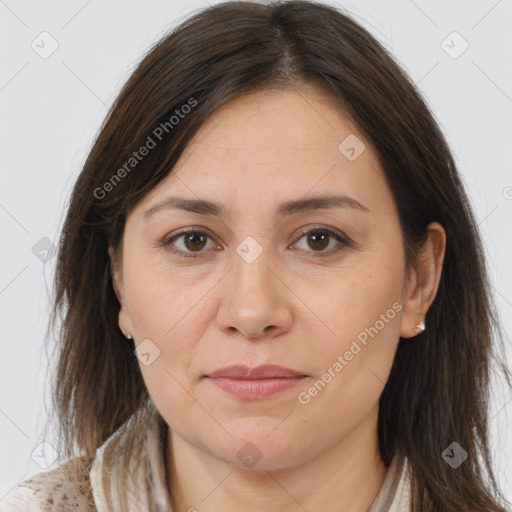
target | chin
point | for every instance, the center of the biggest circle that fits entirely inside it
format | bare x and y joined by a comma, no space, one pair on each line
257,449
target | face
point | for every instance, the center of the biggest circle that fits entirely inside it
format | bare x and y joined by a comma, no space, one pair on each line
320,291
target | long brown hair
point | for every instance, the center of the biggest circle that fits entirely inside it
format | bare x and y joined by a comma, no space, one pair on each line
438,389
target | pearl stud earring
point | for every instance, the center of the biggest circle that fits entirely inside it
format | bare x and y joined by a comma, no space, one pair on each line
421,326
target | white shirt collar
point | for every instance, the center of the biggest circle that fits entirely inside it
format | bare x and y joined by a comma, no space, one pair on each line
150,477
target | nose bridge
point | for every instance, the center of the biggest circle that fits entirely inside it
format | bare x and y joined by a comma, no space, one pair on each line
252,279
251,272
254,298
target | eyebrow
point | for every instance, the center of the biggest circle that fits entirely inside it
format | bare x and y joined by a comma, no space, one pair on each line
204,207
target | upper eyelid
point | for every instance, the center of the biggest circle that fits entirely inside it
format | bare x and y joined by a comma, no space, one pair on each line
302,232
341,238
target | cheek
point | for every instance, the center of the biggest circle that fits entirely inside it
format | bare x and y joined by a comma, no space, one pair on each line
350,301
360,313
172,317
163,301
172,310
354,363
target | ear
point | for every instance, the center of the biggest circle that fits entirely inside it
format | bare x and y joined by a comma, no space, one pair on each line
424,280
116,272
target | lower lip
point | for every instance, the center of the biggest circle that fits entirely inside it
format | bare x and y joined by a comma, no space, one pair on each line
255,389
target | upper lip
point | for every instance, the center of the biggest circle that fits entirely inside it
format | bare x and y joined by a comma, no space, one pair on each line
265,371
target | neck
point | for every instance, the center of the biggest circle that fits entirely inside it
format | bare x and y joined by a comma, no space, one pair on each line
349,474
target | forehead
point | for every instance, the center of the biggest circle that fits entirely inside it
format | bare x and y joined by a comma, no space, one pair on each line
274,126
275,145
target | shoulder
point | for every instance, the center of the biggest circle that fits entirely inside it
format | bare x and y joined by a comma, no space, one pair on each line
65,488
20,499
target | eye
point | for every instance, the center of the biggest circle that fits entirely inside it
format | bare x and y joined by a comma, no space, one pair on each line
320,238
193,241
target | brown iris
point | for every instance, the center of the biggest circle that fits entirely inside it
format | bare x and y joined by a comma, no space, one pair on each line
320,240
194,240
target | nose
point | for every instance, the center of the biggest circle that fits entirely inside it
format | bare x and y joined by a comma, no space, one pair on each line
255,301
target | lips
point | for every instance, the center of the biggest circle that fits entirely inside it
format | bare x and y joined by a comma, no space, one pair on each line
256,383
266,371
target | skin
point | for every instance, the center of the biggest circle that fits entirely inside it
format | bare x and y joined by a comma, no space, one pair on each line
216,309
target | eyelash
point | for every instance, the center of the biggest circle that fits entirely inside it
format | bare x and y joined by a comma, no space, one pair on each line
317,254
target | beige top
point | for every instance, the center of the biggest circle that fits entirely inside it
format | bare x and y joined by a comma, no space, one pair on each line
50,491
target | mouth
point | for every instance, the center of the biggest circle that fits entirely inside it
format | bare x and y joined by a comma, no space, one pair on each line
255,383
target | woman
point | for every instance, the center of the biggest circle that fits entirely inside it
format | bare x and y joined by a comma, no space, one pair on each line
273,286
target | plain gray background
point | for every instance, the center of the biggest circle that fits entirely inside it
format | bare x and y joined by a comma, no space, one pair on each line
52,106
